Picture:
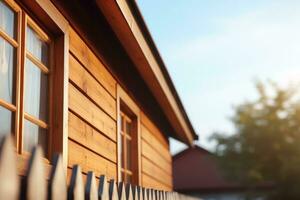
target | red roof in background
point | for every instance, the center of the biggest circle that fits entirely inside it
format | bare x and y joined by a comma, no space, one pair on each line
196,169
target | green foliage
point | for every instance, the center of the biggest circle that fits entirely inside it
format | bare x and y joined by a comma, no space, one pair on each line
266,144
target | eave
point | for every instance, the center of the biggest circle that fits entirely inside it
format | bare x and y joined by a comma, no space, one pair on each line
131,30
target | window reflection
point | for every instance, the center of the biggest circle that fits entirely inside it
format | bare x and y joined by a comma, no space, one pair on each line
6,121
36,91
7,20
34,135
36,46
7,71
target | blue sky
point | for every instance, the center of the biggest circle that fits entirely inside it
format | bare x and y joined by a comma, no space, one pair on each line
215,50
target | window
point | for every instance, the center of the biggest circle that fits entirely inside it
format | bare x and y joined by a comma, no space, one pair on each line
25,73
128,144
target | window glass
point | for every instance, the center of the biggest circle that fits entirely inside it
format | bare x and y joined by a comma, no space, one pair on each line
7,20
128,127
36,46
6,121
122,151
7,71
128,154
122,123
122,176
128,178
36,91
34,135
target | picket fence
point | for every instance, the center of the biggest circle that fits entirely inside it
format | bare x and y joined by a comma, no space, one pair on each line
34,186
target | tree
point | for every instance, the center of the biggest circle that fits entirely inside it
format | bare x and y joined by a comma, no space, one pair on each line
265,147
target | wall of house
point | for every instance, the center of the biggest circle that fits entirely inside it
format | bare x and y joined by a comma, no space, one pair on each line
92,138
156,158
92,123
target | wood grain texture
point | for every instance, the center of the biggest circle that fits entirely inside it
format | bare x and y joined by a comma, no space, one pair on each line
90,161
155,172
83,107
85,55
84,134
89,85
155,143
149,182
154,130
156,158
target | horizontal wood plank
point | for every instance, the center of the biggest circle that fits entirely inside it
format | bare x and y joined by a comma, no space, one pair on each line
83,107
154,130
155,143
90,138
155,172
149,182
90,161
87,83
83,53
156,158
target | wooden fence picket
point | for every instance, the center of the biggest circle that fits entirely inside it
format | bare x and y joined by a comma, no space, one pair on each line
103,190
57,187
34,185
113,190
10,182
91,192
128,192
145,194
121,191
136,192
140,193
76,189
153,194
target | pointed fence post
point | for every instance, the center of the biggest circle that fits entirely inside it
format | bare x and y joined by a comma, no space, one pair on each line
91,192
145,194
140,193
57,187
121,191
149,193
76,189
113,190
128,191
103,190
10,182
135,192
34,185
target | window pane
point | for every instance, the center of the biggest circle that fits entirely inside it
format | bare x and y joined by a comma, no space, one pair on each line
36,91
122,151
128,178
6,121
122,123
7,19
128,128
128,148
34,135
122,176
36,46
7,71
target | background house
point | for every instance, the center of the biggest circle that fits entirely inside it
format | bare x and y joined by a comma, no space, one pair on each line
196,172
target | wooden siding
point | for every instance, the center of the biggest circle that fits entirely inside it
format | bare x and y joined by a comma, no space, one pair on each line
92,123
156,157
92,119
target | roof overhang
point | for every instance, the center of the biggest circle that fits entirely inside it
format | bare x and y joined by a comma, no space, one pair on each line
130,28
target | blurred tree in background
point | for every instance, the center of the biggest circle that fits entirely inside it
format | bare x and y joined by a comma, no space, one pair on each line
266,144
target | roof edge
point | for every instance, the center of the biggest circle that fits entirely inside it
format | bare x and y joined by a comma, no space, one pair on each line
127,22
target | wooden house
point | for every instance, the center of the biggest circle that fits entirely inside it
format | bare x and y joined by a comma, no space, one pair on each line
84,78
